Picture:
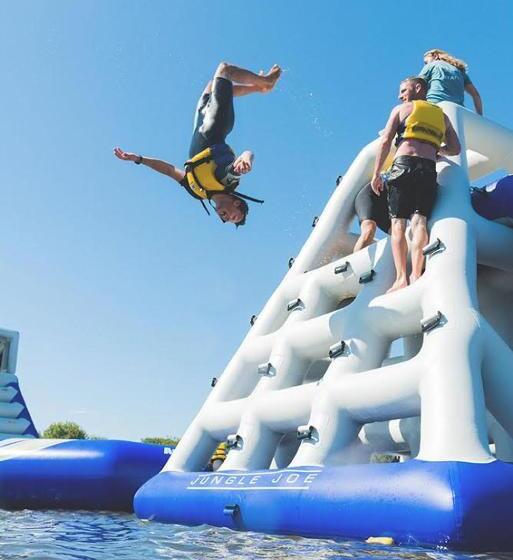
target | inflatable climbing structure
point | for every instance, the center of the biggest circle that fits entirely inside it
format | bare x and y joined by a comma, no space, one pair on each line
312,394
15,419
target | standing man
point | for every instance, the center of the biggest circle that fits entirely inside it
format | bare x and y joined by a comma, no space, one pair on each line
213,172
420,128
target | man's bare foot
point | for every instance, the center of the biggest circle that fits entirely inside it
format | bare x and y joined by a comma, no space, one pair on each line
270,78
397,285
413,278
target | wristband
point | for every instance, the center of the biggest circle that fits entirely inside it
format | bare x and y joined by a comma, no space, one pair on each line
138,162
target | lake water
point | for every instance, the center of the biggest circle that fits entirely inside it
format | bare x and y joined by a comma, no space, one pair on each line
106,536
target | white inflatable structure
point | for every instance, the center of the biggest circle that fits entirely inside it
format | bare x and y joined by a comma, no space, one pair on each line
456,324
15,419
312,386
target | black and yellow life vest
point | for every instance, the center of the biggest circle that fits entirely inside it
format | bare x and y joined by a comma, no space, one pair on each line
200,176
425,123
219,453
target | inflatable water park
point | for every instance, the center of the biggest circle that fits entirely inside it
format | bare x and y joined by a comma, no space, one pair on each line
37,473
313,393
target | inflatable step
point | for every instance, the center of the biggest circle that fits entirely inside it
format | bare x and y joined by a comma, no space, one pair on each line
11,409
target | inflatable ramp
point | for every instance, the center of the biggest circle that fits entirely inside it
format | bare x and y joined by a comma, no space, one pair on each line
15,420
312,394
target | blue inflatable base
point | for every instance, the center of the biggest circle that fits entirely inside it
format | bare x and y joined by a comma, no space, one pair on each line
77,474
449,504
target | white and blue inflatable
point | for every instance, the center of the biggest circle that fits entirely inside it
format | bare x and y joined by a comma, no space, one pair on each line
312,394
75,474
416,502
63,474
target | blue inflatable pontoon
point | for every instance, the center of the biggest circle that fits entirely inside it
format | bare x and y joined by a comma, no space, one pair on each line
453,504
75,474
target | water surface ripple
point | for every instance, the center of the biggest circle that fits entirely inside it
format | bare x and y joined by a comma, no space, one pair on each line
50,535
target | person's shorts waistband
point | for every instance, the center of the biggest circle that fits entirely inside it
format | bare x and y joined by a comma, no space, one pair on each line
416,162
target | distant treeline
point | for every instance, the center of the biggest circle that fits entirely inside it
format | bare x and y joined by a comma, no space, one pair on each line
71,430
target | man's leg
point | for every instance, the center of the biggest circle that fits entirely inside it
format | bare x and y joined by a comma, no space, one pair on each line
198,141
258,82
399,252
425,191
372,212
418,242
367,232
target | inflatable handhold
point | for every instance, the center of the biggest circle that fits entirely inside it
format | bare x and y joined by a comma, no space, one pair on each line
341,267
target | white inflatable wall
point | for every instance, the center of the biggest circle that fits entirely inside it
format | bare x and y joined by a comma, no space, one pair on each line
283,401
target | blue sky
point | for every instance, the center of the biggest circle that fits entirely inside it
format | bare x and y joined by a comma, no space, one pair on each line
128,298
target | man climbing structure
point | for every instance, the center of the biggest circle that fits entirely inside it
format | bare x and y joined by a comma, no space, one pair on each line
420,128
213,172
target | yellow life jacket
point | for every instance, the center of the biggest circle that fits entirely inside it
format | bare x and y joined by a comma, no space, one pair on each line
200,172
425,123
219,453
200,175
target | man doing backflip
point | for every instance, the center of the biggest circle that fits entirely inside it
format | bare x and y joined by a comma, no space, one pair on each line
420,128
213,172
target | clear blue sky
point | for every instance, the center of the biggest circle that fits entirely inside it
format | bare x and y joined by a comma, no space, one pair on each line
129,299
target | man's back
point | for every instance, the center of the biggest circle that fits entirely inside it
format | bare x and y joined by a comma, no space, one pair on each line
415,146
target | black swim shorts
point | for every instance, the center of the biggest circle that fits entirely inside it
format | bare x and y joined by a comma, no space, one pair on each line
412,187
214,117
369,206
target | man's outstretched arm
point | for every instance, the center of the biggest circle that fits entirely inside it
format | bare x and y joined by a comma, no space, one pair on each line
156,164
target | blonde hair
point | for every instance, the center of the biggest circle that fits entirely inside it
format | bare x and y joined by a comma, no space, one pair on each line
439,54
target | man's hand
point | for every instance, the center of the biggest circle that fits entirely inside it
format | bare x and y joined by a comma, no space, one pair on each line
243,163
126,156
377,184
159,165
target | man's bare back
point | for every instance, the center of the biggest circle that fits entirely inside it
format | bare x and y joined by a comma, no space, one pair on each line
410,146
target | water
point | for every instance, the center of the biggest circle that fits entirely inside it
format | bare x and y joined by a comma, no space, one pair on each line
106,536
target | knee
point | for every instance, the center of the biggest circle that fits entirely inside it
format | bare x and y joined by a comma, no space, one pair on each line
223,70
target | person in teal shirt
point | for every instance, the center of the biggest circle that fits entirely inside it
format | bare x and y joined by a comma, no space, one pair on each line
448,80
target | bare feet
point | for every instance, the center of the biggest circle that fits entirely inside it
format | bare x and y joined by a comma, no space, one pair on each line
397,285
270,78
414,278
